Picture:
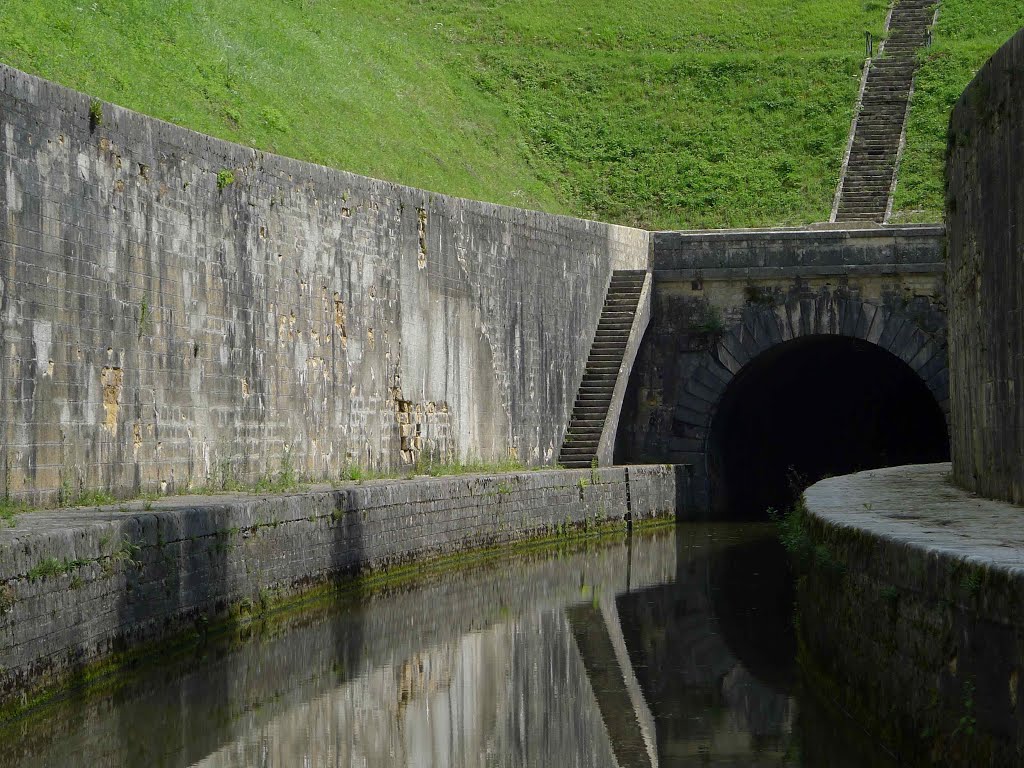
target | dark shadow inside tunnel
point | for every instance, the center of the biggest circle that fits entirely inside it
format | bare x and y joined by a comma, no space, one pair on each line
811,408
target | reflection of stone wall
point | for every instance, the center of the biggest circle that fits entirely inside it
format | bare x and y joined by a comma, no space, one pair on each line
985,221
491,632
707,700
178,309
484,700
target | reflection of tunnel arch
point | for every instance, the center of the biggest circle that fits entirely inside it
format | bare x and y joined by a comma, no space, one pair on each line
815,406
752,596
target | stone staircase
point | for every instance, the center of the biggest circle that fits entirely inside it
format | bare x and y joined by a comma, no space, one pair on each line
867,182
579,449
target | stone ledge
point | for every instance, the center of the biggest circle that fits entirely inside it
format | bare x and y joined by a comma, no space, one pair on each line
917,506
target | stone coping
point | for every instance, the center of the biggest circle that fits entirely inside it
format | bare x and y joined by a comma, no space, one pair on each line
809,232
917,505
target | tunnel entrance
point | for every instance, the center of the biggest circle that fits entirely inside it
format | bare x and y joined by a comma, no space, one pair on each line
811,408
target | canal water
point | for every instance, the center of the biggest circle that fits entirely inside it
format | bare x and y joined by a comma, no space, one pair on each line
668,648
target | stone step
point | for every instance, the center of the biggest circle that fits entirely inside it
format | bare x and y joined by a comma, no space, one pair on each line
593,400
862,210
619,303
593,413
578,451
591,409
857,208
595,427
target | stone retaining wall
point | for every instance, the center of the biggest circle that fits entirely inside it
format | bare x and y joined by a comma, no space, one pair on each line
175,310
78,585
985,216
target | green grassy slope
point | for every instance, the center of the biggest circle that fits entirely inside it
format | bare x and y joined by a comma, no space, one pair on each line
677,113
967,33
695,113
358,85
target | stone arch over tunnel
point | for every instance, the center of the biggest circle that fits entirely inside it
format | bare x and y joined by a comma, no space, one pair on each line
812,407
699,396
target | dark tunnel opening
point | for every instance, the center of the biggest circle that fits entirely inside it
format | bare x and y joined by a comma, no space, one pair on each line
811,408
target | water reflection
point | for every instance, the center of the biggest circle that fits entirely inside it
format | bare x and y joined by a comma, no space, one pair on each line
668,649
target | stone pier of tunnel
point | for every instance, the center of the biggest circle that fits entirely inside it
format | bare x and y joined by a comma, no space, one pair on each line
776,358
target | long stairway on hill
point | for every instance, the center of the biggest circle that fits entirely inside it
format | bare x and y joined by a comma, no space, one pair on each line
595,396
866,184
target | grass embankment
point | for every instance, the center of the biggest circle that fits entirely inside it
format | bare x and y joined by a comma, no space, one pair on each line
680,113
967,34
685,113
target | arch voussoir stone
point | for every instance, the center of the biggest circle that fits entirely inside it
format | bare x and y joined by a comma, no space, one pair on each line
762,325
893,325
726,352
939,384
879,321
826,316
784,317
934,364
805,325
903,340
909,343
850,313
698,389
712,377
865,321
925,354
747,340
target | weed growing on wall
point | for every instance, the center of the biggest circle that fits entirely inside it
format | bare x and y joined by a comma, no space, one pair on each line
7,598
709,320
145,319
95,114
225,178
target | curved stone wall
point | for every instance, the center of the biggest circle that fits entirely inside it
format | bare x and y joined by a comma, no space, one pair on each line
177,310
985,227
